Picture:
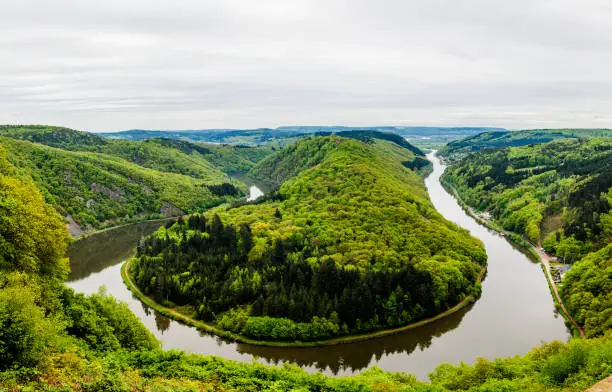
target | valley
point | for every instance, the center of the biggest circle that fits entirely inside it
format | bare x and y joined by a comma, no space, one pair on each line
340,257
305,196
419,350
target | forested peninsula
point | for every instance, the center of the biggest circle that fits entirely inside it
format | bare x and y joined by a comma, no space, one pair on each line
349,243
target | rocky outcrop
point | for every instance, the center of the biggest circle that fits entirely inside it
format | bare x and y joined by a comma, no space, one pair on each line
74,228
168,209
116,195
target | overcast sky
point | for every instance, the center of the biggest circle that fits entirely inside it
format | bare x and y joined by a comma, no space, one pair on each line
112,65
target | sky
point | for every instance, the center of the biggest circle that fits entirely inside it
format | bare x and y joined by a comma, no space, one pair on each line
182,64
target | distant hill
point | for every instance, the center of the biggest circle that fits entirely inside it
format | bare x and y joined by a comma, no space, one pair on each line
249,137
460,148
171,155
288,134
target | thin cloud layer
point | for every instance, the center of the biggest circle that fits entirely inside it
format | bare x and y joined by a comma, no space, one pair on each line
113,65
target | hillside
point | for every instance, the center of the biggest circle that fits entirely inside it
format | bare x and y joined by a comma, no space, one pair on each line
52,339
207,162
100,183
350,243
458,149
97,190
558,194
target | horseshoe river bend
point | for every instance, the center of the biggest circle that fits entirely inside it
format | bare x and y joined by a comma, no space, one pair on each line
514,313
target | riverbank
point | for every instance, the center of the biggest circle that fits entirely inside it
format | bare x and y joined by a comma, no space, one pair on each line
175,315
498,324
131,223
518,241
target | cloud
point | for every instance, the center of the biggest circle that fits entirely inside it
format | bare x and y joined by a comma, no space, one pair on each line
208,64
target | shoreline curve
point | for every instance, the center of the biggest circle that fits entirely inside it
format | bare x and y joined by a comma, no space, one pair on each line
180,317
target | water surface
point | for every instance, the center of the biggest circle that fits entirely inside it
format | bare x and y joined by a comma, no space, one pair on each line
514,313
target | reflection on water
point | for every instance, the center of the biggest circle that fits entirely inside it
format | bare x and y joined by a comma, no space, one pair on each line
254,193
107,248
348,358
257,188
514,313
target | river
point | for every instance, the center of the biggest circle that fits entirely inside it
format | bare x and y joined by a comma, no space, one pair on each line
514,313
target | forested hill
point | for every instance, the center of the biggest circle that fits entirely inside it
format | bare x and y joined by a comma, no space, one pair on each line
295,158
458,149
204,161
558,194
367,135
52,339
350,243
98,183
97,190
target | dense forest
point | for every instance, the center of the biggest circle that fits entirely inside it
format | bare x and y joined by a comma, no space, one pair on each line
202,161
349,243
99,183
52,339
457,149
558,194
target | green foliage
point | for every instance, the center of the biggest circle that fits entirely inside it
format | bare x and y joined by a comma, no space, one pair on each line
587,291
36,313
561,191
32,236
52,339
101,182
350,243
101,190
368,136
458,149
237,158
59,137
104,323
526,187
26,333
292,160
206,162
555,366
